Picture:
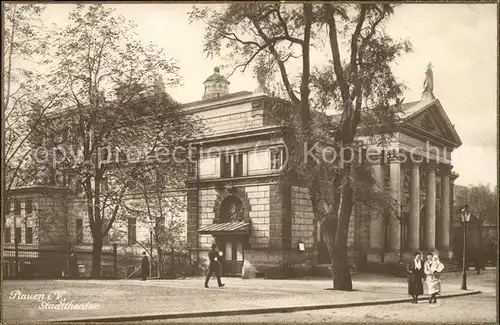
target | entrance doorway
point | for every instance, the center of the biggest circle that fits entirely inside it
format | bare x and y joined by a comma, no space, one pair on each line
232,263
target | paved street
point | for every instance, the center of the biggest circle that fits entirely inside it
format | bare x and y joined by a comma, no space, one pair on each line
133,297
472,309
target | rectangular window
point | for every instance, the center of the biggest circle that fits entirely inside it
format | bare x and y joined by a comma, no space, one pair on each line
18,234
28,235
239,251
17,207
238,165
6,235
79,231
28,207
225,166
7,205
229,251
276,159
132,236
231,166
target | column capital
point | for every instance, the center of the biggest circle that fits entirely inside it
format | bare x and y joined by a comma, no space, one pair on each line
415,164
375,159
431,166
415,158
453,176
445,169
395,156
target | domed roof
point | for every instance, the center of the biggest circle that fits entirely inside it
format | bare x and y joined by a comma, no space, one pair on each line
216,77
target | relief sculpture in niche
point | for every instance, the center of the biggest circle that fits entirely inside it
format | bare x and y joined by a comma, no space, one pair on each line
232,210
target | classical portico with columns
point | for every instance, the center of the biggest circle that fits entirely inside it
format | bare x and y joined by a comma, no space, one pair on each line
415,169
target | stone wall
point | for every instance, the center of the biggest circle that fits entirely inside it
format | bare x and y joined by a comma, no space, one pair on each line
206,204
235,117
119,232
48,217
302,225
78,210
259,201
277,263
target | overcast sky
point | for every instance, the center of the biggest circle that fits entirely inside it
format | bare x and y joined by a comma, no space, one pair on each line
459,39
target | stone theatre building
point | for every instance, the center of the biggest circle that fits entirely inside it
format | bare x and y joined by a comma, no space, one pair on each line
238,197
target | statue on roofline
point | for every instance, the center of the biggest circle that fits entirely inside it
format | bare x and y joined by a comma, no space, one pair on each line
427,93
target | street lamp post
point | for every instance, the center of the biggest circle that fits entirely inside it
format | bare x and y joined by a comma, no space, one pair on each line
481,222
464,215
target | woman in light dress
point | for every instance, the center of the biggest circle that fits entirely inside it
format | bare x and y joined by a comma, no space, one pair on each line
433,271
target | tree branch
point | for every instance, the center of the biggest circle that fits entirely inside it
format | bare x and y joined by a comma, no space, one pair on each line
334,46
281,65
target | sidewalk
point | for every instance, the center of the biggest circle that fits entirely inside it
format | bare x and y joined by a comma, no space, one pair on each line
133,300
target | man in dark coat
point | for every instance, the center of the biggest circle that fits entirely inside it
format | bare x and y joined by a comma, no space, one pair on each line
478,261
214,266
144,266
73,266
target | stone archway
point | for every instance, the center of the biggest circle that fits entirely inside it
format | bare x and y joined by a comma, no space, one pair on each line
232,198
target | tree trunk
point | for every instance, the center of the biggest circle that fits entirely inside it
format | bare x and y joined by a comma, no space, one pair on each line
96,258
341,274
159,263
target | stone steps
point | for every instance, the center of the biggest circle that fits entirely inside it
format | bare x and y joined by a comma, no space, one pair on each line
451,266
325,270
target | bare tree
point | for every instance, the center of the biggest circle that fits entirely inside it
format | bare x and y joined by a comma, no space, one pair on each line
158,204
26,94
116,117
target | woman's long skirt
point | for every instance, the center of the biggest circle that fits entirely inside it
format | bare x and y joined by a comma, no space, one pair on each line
433,284
415,286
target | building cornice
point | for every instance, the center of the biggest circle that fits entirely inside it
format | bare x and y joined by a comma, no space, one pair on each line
200,106
237,181
423,134
261,131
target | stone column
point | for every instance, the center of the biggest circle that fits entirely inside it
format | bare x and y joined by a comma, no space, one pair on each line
414,218
392,255
430,208
444,225
377,231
